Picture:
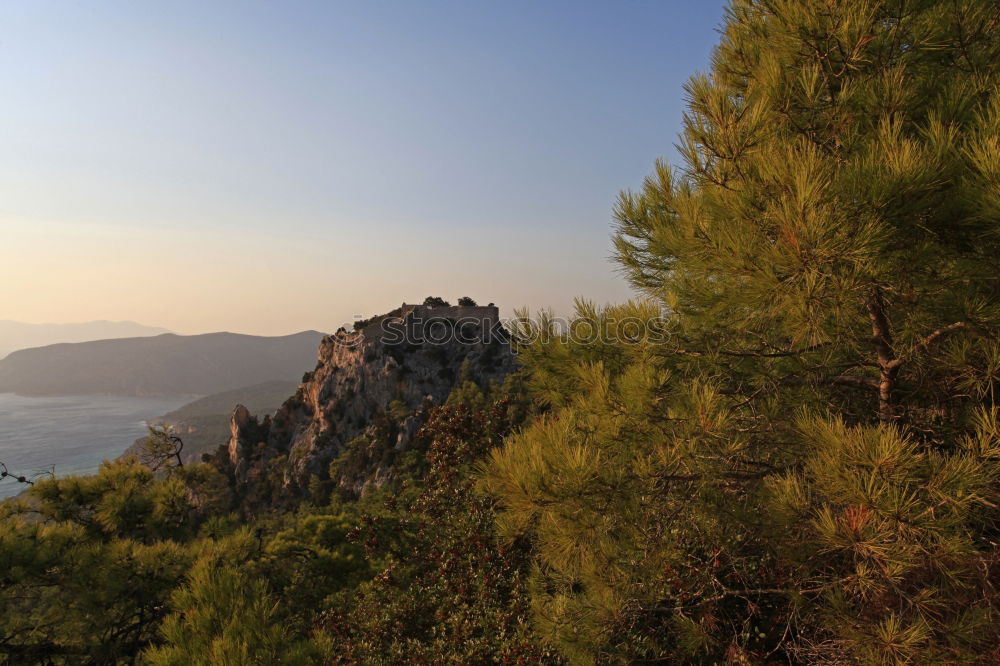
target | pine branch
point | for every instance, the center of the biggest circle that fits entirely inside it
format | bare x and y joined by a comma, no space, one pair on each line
20,478
759,353
851,380
718,597
933,337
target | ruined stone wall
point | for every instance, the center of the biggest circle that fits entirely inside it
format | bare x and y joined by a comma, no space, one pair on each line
416,316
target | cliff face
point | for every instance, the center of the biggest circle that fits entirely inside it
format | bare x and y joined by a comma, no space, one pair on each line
369,393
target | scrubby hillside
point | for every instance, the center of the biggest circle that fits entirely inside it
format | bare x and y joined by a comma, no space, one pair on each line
293,563
203,424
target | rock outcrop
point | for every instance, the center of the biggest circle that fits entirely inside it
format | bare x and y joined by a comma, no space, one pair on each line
368,393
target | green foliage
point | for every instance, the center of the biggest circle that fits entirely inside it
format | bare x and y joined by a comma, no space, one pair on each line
99,569
88,563
224,616
324,561
631,492
795,459
448,592
786,450
467,389
226,613
894,533
124,500
253,596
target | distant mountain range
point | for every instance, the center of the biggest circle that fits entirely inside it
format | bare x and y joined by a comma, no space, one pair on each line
16,335
164,365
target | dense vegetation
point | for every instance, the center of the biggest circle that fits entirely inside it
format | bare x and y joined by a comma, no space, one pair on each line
128,564
786,450
806,467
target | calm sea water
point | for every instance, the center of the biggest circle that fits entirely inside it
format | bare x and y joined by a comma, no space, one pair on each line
72,434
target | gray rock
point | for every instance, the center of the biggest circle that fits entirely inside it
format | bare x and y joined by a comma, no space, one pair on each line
358,375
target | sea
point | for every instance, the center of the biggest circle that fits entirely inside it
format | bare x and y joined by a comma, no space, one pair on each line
70,435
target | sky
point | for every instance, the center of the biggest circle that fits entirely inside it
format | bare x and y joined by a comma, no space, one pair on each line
270,167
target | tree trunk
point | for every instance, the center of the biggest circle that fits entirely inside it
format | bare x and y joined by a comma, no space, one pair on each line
887,362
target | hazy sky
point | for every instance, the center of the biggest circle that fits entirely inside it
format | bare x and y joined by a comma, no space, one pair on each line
268,167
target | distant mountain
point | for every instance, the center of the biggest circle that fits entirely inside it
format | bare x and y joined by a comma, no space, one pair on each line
203,425
16,335
164,365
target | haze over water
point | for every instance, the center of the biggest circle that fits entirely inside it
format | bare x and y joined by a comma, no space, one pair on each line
72,434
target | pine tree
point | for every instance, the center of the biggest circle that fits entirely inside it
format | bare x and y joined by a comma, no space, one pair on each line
224,614
447,592
801,459
87,565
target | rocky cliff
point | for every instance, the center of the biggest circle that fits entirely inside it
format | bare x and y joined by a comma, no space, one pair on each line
366,398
